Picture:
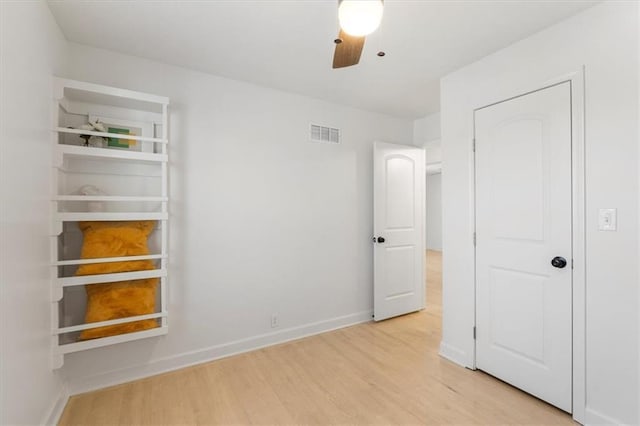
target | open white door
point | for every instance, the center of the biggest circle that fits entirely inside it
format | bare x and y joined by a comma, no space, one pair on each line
524,243
398,217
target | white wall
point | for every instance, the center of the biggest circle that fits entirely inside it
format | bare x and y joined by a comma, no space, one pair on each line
604,39
433,153
426,129
262,220
434,212
32,49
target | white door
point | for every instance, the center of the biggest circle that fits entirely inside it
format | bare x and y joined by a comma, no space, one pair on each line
398,217
523,225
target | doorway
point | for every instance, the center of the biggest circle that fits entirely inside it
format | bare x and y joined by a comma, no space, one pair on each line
433,222
524,242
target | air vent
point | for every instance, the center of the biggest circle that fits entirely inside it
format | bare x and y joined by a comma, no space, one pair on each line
324,134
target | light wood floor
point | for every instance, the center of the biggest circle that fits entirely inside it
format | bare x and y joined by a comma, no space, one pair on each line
373,373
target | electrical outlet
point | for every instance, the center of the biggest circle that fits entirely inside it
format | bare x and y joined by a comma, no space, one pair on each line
275,321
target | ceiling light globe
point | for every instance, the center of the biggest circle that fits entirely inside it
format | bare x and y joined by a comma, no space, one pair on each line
360,17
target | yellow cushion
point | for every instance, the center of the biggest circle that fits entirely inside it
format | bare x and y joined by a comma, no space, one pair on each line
123,298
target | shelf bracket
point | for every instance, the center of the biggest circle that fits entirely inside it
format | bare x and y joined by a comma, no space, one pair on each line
56,287
56,292
58,158
56,227
57,360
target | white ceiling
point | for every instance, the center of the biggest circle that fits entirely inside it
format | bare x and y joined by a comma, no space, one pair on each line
288,44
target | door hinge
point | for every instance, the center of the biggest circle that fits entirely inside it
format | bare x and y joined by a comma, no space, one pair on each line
474,239
473,144
474,333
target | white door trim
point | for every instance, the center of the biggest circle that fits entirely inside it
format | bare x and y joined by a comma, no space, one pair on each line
578,232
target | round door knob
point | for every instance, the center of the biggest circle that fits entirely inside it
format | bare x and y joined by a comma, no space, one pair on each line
559,262
381,239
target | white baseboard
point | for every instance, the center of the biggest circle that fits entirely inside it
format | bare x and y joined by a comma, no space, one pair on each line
453,354
593,418
176,362
52,417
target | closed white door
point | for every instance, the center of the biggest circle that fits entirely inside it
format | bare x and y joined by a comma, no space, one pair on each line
523,248
398,198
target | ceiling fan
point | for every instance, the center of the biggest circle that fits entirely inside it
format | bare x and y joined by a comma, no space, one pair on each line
358,18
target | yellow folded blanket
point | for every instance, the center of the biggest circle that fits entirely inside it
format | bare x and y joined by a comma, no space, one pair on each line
123,298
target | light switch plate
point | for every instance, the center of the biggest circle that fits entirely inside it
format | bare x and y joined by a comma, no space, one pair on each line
608,219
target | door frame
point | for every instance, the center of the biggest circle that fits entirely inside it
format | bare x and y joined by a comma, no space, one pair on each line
576,80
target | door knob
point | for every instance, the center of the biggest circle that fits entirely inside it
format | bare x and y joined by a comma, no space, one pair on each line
559,262
381,239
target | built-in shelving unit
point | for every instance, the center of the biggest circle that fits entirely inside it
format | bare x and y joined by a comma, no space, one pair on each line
133,182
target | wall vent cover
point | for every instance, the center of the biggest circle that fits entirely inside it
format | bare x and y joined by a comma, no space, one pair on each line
324,134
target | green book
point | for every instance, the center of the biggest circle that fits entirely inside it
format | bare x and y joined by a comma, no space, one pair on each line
119,143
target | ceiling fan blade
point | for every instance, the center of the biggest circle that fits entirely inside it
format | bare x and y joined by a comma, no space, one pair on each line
348,51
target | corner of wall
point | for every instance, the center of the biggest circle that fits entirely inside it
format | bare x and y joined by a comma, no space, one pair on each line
26,87
453,354
54,413
426,129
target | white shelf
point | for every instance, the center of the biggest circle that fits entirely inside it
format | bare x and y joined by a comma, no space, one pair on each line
110,278
106,341
107,198
118,321
107,260
108,135
105,153
109,216
83,88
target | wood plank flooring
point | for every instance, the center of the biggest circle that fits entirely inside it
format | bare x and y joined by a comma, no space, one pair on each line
373,373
